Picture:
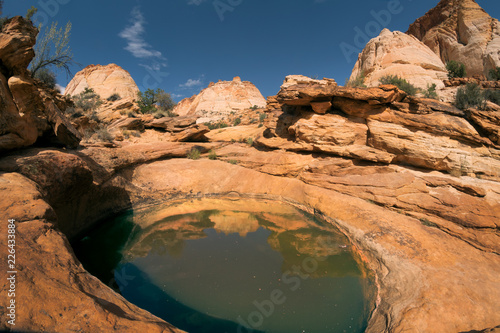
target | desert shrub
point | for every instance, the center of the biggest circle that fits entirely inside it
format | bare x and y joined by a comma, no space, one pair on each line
46,76
357,82
87,100
162,114
194,154
255,107
492,96
250,141
260,125
253,121
237,121
262,117
73,113
470,96
114,97
430,92
233,161
217,125
212,155
455,69
494,74
103,135
401,83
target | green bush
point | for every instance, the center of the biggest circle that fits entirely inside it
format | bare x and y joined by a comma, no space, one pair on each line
357,82
237,122
455,69
492,96
262,117
46,76
114,97
401,83
194,154
250,142
470,96
212,155
220,124
255,107
431,92
152,100
87,100
494,74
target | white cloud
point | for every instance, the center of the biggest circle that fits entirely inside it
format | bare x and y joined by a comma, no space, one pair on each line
191,83
60,88
177,96
134,35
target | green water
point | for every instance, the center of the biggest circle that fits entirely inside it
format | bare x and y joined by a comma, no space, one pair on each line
262,267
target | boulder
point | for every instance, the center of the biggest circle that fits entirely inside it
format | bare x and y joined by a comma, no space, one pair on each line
461,30
17,38
105,80
15,131
398,54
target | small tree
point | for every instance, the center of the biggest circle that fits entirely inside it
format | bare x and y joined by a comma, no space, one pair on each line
470,96
153,100
455,69
52,49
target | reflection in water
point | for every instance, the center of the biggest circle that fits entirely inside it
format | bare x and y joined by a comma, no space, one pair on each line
258,265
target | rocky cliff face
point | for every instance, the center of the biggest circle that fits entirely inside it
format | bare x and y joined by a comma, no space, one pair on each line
220,99
28,110
461,30
105,80
395,53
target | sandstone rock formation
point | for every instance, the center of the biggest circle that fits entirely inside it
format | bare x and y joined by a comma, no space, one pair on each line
380,125
461,30
105,80
396,53
416,243
28,110
220,99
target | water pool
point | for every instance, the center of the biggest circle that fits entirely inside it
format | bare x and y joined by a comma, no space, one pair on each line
233,266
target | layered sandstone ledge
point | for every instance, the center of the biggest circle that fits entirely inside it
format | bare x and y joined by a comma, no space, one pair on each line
431,277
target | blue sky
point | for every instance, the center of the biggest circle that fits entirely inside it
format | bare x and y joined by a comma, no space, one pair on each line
181,46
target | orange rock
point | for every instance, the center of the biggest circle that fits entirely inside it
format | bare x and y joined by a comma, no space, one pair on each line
461,30
17,38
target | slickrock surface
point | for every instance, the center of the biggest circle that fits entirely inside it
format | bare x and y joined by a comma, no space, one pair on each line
105,80
220,99
398,54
